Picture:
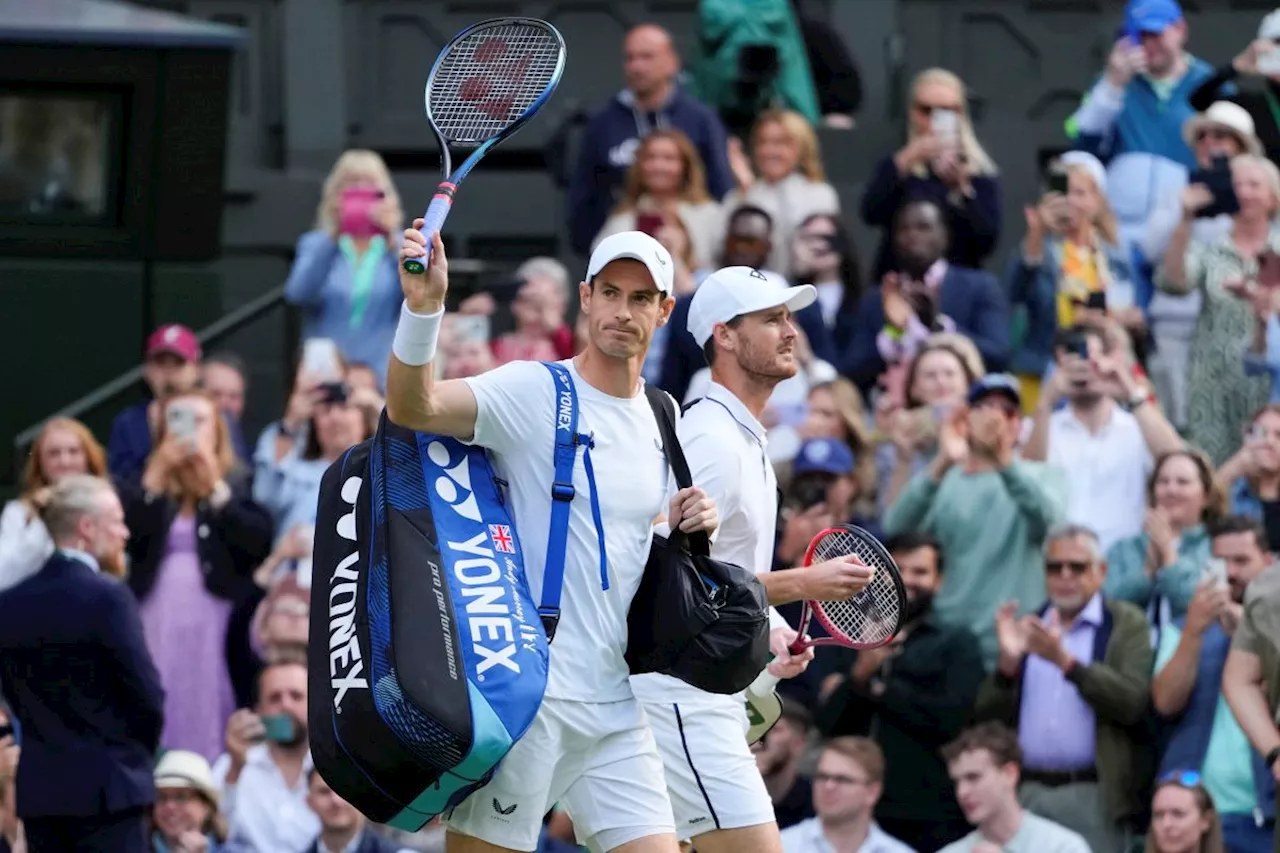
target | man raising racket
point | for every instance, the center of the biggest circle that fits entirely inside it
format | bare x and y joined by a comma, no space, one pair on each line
742,320
589,747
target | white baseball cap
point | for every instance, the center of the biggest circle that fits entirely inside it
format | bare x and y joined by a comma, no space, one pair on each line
637,246
734,291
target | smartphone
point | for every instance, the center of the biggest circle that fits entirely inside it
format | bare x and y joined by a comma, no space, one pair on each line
278,728
1097,300
1217,178
320,358
355,211
1216,568
471,328
649,223
1058,182
180,422
945,124
1078,345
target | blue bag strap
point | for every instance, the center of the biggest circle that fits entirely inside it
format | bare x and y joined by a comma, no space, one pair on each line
568,439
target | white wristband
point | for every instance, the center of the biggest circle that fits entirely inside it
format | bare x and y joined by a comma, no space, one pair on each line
416,334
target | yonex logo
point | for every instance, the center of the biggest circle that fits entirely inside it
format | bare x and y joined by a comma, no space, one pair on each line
345,661
454,485
488,606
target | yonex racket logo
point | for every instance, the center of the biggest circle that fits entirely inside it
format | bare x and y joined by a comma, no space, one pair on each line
492,92
346,664
454,485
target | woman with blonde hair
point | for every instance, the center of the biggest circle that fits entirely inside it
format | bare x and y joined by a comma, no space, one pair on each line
667,181
1221,396
1071,254
195,537
344,276
944,162
787,182
1184,818
65,446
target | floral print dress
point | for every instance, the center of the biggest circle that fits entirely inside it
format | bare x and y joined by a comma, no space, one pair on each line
1220,397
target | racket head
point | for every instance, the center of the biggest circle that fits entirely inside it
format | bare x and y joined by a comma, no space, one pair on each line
491,78
876,614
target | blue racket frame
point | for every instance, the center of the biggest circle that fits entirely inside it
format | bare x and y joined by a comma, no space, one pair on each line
442,201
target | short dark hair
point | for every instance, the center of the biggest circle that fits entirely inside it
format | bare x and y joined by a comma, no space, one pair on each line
1228,525
749,210
229,359
996,738
796,712
910,540
709,348
921,201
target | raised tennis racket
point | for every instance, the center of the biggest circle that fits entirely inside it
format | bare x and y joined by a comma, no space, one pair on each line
491,79
867,620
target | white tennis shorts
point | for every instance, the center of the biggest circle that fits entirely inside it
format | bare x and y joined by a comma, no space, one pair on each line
711,773
597,760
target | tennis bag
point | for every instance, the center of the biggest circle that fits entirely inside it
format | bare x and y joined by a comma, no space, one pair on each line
427,657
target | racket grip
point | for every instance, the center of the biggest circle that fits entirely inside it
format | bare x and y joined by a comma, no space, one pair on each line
765,683
434,218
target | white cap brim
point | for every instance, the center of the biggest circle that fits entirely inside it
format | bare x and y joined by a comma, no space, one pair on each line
794,298
635,246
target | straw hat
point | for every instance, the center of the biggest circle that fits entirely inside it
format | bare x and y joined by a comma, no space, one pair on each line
179,768
1233,117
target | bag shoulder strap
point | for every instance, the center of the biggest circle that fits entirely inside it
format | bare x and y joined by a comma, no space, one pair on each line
568,440
664,412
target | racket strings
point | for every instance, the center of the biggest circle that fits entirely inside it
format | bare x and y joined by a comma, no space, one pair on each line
872,615
490,78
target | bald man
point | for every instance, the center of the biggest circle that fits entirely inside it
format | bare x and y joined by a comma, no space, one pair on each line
652,98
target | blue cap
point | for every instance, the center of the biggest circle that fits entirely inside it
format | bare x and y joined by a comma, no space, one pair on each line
1150,16
823,456
996,383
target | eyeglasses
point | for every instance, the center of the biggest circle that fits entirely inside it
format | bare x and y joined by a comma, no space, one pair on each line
837,779
1185,778
1057,567
930,109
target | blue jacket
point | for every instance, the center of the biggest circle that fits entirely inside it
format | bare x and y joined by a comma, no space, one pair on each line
130,443
608,146
1036,287
75,668
974,224
320,283
683,357
369,842
1189,739
970,297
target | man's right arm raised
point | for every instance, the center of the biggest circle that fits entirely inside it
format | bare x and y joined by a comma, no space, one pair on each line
414,398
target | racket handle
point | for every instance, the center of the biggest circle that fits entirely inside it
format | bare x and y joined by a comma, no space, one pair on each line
765,683
435,216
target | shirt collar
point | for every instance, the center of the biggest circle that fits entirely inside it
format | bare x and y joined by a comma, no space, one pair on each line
81,556
1092,613
737,409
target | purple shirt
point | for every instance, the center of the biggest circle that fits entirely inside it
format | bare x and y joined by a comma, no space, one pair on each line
905,343
1057,729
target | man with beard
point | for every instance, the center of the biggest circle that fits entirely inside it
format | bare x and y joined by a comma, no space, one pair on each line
75,667
1110,421
263,773
743,321
1073,679
1190,659
926,294
912,697
747,241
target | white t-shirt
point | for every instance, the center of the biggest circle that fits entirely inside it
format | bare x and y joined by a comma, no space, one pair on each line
1106,473
727,453
516,421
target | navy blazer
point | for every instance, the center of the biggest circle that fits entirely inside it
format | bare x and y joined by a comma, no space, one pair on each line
972,298
684,357
75,668
368,842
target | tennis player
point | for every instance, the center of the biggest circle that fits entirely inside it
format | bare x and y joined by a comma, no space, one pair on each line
743,321
589,747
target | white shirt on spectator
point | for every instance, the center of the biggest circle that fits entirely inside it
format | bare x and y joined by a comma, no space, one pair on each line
1035,835
807,837
25,545
1106,472
263,813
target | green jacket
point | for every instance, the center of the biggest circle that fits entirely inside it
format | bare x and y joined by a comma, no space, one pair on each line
1119,690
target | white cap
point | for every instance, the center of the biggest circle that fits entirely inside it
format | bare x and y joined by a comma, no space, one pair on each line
638,246
1269,29
734,291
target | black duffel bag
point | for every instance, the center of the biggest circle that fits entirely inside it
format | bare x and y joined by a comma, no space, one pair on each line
698,619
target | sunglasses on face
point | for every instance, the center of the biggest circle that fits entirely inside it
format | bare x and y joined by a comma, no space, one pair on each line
1057,567
930,109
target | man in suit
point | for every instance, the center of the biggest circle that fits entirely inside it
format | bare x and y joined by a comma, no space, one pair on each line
76,670
926,294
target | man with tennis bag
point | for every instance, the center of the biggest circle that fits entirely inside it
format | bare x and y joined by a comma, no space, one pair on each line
437,645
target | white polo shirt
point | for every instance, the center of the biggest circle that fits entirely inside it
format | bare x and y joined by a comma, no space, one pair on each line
807,837
1106,472
728,459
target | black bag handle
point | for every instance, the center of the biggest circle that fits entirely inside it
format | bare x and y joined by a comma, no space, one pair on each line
663,412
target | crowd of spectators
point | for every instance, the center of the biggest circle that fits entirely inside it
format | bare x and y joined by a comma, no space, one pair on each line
1073,454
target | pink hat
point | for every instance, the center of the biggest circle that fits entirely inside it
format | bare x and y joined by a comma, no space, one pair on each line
176,339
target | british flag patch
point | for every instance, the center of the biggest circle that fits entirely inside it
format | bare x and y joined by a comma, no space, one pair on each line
502,539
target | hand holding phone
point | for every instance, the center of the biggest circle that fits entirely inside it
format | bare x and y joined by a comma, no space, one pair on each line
320,359
1216,568
180,422
649,223
356,211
